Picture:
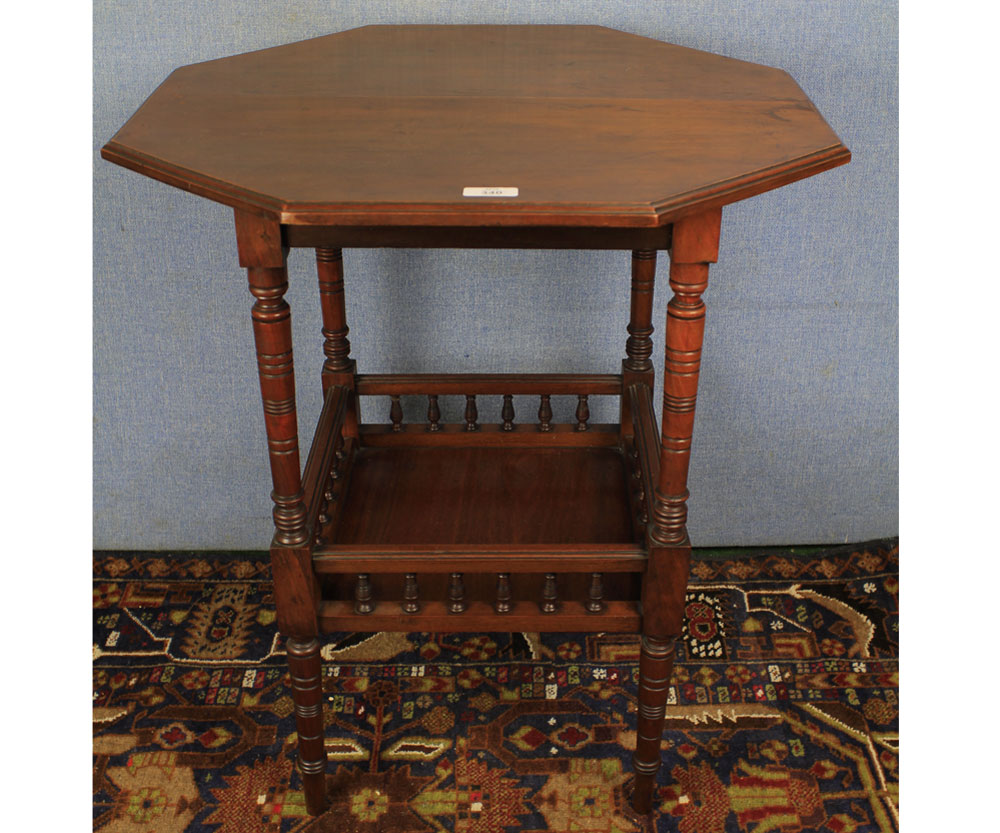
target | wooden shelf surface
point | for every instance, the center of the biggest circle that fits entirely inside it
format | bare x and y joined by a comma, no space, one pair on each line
475,496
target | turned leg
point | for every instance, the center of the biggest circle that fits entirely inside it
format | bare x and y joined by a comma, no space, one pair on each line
656,661
339,367
296,589
695,244
637,366
305,666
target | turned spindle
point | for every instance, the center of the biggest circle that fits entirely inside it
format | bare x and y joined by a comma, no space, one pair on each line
503,602
471,413
338,457
396,413
336,347
545,413
550,597
338,368
507,414
433,413
582,413
363,595
456,594
637,368
595,597
411,594
639,346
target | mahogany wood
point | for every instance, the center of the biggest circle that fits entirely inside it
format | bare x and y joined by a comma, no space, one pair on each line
646,448
595,597
504,597
681,130
396,414
545,413
507,413
463,384
498,496
368,138
338,368
307,693
633,479
439,558
477,237
363,603
433,413
479,580
296,588
471,413
655,665
273,336
322,455
458,435
572,617
695,245
639,346
338,485
637,367
582,413
550,594
411,594
456,594
330,268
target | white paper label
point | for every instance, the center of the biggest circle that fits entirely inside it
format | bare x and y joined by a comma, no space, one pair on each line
489,191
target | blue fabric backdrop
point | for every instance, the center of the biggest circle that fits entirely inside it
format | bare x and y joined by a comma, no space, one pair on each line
796,433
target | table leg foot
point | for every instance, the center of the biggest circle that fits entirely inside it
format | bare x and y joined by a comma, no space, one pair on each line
655,665
305,665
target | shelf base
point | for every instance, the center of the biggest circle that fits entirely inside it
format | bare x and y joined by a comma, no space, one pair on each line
456,496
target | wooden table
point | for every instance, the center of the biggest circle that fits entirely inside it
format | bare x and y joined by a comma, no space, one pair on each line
479,136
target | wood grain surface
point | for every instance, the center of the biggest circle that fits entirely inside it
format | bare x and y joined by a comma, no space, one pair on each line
385,125
485,495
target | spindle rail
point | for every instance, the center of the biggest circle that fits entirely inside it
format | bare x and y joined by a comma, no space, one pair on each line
476,429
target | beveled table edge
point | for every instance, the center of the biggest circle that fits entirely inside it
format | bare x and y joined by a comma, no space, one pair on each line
486,212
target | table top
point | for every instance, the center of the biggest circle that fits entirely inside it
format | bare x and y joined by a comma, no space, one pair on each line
392,125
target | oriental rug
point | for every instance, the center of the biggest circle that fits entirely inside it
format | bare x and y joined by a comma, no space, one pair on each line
782,716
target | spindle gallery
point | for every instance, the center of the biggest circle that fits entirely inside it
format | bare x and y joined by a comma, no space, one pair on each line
508,519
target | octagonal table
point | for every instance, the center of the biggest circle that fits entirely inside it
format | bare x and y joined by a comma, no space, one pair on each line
479,136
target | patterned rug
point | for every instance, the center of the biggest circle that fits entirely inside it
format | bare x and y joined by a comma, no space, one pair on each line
782,713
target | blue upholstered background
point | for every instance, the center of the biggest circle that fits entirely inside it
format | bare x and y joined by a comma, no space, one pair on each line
795,440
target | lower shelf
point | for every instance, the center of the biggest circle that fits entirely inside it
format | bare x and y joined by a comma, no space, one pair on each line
480,511
481,495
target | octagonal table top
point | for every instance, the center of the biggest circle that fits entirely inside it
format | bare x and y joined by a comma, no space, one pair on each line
417,125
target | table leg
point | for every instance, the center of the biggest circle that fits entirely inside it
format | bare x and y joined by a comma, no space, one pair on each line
306,668
637,366
695,244
339,367
295,586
